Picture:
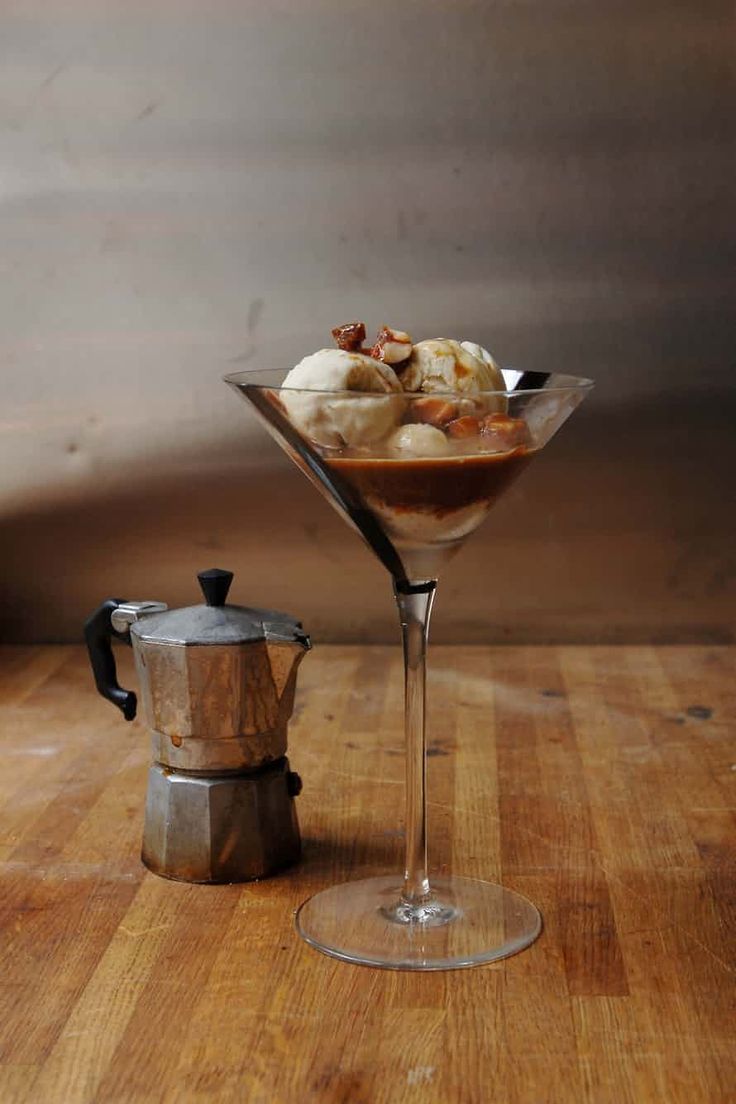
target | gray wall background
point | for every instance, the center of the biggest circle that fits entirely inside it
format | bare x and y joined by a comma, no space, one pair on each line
192,188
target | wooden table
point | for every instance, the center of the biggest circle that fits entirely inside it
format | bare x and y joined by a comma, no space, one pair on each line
598,781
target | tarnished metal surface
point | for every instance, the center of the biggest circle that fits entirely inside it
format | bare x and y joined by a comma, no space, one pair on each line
222,624
128,613
225,829
216,711
217,707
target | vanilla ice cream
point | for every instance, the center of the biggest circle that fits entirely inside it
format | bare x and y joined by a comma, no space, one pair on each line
417,528
334,421
479,353
443,365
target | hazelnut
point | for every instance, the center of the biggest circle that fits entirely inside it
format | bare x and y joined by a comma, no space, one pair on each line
464,427
504,432
350,336
418,441
436,412
392,346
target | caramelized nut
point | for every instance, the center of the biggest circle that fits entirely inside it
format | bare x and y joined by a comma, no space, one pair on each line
505,431
392,346
350,336
464,427
436,412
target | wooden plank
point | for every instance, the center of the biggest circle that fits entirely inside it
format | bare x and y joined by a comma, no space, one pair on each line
644,773
596,781
16,1081
86,1047
557,830
23,670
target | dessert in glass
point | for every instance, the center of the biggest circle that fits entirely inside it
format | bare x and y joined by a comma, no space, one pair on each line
412,443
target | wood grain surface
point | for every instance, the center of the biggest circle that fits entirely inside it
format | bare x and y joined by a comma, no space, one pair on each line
598,781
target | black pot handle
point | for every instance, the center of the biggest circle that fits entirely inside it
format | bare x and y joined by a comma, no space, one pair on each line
98,634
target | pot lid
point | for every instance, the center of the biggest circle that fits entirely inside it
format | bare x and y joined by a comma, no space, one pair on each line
218,623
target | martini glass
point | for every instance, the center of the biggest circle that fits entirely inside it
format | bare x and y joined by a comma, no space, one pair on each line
414,514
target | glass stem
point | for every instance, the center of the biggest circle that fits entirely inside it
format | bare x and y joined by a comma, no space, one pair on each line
415,607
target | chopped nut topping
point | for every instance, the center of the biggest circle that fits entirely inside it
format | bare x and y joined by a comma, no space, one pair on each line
464,427
350,336
509,432
392,346
436,412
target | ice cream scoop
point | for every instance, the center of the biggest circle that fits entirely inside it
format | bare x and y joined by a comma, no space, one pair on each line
338,420
444,365
479,353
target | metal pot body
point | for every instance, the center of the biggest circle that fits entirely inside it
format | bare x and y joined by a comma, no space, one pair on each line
221,828
215,708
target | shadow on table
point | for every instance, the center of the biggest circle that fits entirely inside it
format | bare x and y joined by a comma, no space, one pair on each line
353,859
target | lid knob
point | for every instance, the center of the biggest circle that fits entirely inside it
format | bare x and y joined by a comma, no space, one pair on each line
215,584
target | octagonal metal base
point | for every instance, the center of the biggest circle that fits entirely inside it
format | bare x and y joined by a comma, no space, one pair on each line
220,828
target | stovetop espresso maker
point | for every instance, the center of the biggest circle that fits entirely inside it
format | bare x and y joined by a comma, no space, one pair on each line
217,685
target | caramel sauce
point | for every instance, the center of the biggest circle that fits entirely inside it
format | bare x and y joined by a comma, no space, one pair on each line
436,485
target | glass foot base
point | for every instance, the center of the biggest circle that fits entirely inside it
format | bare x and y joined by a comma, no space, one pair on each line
465,923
